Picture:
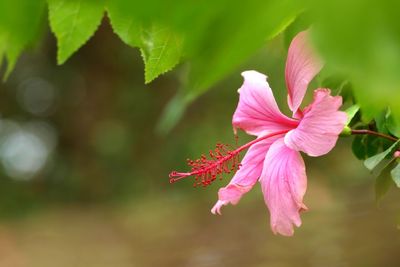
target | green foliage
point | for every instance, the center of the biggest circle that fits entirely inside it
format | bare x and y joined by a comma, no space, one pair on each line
73,22
366,147
15,19
216,37
209,34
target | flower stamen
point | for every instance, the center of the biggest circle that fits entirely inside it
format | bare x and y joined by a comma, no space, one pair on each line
207,169
221,160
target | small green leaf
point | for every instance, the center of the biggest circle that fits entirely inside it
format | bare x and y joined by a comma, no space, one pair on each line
396,175
161,51
351,112
372,162
73,22
383,182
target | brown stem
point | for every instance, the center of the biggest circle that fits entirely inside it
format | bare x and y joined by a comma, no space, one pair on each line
357,132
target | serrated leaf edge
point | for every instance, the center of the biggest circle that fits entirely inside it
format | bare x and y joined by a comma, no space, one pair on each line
148,79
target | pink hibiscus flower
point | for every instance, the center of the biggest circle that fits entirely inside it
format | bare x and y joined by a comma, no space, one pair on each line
274,158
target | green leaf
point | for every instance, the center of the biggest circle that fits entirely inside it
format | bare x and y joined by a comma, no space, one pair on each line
161,51
372,162
73,22
351,112
383,182
396,175
15,19
161,48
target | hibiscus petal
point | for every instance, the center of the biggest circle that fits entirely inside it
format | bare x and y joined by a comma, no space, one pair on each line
257,112
284,183
246,176
301,67
320,127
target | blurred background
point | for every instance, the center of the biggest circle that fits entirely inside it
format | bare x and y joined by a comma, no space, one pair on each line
84,175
